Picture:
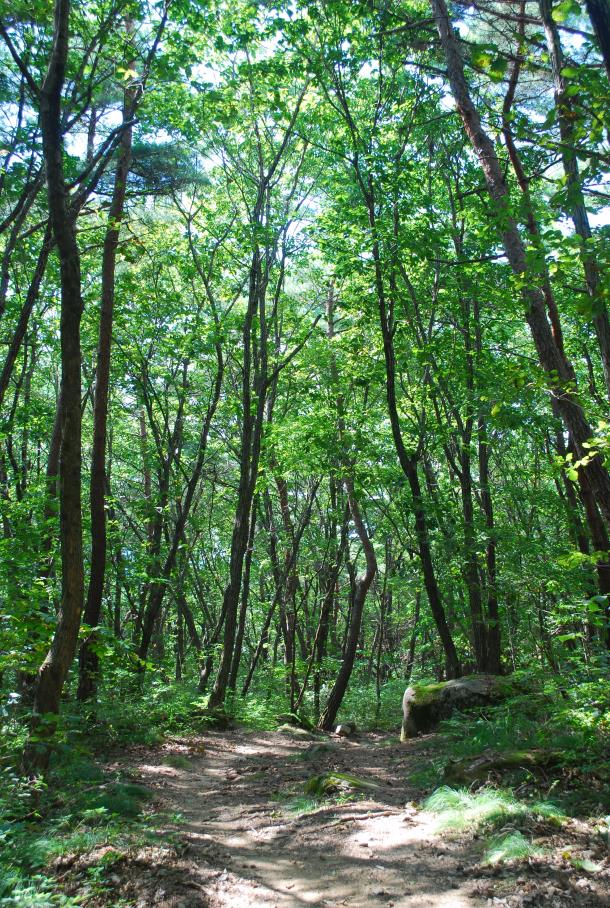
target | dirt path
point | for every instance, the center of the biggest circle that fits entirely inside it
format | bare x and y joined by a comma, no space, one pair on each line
240,842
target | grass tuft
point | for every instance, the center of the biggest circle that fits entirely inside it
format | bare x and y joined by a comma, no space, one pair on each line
511,846
460,809
177,761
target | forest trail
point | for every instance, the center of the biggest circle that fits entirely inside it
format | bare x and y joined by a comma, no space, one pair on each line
241,842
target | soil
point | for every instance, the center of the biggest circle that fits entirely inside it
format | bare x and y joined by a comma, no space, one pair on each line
241,832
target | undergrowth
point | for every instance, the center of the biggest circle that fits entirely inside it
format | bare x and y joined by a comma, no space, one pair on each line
498,815
80,807
572,719
489,808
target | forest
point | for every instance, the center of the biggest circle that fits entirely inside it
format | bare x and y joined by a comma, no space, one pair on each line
304,400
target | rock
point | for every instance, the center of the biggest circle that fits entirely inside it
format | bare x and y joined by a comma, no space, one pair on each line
294,719
295,732
318,750
424,705
331,782
473,769
345,729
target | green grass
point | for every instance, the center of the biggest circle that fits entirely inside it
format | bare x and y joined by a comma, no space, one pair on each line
302,805
512,846
488,812
81,807
177,761
460,809
78,809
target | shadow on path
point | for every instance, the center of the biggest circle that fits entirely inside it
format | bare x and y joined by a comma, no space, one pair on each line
243,841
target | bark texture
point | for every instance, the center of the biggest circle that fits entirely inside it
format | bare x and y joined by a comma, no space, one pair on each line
55,667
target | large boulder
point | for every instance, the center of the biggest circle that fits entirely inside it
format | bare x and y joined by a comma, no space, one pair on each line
424,705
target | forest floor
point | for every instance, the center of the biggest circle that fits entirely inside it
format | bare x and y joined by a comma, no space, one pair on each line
240,831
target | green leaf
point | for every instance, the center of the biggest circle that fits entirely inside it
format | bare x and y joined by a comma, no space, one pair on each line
566,8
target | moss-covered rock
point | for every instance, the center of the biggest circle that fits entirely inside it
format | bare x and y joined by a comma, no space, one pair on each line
293,731
295,719
330,783
492,762
424,705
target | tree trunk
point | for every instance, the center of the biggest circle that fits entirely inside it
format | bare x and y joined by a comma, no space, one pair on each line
26,311
494,639
408,462
559,371
88,659
253,404
411,653
599,14
363,584
55,667
245,594
576,201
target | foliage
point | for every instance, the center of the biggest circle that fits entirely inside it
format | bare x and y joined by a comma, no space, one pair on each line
321,353
80,809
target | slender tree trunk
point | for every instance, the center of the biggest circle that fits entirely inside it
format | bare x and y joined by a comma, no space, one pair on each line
494,637
363,584
601,544
360,585
599,14
576,200
263,641
411,653
55,667
288,604
26,311
253,403
88,658
408,462
179,645
158,587
245,594
430,583
189,621
559,371
251,438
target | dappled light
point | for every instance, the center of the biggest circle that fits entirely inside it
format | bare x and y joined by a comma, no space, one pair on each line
304,453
